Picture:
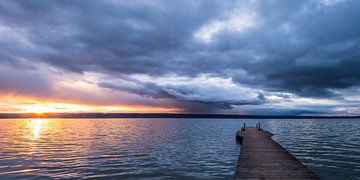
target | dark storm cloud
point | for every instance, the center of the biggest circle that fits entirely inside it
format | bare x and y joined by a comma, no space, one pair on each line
185,93
145,89
124,36
310,48
318,55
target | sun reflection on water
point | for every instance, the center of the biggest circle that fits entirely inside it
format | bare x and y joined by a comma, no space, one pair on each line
36,125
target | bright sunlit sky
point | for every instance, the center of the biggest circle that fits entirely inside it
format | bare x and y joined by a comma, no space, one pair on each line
281,57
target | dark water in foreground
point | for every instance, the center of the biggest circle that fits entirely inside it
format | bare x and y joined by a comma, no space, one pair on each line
166,148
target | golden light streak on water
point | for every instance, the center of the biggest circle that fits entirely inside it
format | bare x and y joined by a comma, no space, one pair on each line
38,123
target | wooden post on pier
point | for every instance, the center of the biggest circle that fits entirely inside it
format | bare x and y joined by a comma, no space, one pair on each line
263,158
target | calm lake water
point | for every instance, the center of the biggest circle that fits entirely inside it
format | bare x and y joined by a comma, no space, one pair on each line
166,148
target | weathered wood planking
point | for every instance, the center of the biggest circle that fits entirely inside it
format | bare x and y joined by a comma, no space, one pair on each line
263,158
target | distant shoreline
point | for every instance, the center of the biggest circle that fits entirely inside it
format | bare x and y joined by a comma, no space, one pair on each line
161,115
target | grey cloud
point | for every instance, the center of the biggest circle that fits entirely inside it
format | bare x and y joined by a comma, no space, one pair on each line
188,92
304,47
147,89
28,83
123,37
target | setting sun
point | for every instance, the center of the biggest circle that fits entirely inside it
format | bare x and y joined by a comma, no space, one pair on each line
18,104
55,107
38,109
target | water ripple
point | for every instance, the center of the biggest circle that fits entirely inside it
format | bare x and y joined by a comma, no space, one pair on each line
165,148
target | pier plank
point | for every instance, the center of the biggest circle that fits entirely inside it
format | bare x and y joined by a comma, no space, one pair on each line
263,158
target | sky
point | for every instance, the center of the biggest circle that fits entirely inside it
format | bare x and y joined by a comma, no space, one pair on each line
275,57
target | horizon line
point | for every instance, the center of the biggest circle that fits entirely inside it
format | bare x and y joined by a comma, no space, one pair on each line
12,115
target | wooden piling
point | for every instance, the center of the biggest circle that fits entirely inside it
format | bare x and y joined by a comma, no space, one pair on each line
263,158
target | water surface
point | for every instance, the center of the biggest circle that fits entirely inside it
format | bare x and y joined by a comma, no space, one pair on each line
166,148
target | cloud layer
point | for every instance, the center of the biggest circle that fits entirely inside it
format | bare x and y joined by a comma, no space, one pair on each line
282,57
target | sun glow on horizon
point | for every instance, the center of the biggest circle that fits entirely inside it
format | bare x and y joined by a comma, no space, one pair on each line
38,109
41,107
55,107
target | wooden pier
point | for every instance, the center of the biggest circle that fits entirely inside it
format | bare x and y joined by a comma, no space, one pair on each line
263,158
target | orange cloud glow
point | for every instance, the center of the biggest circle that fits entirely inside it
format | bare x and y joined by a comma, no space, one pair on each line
15,104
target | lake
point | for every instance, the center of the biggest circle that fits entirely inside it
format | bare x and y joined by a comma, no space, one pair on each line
166,148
